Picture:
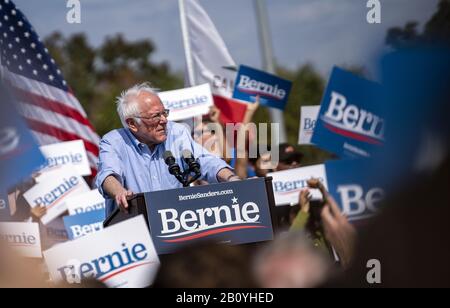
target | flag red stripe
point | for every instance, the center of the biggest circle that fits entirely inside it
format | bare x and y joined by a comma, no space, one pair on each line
60,134
55,106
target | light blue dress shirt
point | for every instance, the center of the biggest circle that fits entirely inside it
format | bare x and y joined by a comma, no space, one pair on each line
140,170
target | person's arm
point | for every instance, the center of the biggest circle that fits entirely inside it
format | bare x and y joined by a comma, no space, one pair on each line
241,151
338,231
251,109
317,184
117,192
227,175
109,179
302,217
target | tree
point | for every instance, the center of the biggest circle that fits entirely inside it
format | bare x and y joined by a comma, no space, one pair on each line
307,89
98,75
436,30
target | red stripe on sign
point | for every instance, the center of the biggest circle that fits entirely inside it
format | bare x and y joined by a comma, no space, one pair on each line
62,135
212,232
124,270
254,92
352,135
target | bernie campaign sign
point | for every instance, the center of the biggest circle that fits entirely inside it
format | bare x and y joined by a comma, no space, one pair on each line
358,196
83,224
19,153
53,193
350,122
85,202
187,103
121,256
272,90
60,155
233,213
308,120
22,237
287,184
347,181
5,214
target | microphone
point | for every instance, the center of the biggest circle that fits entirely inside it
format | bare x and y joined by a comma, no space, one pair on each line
193,164
174,168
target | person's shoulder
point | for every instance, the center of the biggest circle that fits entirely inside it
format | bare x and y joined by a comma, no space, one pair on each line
115,135
175,127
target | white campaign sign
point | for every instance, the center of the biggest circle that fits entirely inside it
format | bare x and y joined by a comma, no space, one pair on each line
288,184
23,237
121,256
53,192
58,155
187,103
308,121
86,202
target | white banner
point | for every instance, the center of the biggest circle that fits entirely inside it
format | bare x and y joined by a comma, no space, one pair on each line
308,118
288,184
209,55
187,103
121,256
85,202
71,153
53,193
22,237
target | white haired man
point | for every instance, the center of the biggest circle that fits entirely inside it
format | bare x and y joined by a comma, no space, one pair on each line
131,158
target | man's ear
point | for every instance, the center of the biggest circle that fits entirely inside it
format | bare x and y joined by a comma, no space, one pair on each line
132,125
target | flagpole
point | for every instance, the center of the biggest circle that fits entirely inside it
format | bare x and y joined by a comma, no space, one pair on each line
187,46
276,115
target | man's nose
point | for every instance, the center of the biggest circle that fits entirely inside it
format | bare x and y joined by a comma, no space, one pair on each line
163,119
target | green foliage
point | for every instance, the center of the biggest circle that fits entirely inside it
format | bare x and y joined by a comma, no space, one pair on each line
437,29
307,89
98,75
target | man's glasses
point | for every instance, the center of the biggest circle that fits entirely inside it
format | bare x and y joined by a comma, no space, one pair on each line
157,116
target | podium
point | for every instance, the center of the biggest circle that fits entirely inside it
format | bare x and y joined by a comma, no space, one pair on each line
137,206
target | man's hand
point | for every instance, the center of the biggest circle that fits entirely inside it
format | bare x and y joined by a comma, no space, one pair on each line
122,199
116,191
226,175
338,231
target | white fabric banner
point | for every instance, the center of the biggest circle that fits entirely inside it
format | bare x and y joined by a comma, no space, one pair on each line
308,118
210,56
288,184
187,103
53,192
121,256
22,237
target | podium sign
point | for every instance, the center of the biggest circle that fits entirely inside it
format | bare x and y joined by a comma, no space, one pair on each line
233,213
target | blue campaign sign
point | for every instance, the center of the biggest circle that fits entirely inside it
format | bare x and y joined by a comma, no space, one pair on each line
233,213
5,214
19,153
357,192
350,121
83,224
273,91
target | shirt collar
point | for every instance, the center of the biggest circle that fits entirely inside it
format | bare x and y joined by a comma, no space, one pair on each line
136,143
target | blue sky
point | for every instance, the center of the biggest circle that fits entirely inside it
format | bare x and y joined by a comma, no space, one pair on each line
321,32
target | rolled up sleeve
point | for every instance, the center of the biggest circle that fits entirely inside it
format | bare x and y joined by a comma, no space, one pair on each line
109,164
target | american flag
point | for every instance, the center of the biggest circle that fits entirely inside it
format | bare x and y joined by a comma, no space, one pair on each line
45,100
